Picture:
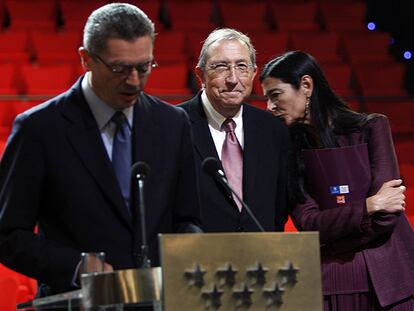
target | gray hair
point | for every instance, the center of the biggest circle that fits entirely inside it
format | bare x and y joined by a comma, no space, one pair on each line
221,35
115,20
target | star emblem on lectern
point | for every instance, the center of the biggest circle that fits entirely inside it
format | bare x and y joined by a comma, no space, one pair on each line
195,276
212,297
258,274
243,296
288,274
273,295
227,275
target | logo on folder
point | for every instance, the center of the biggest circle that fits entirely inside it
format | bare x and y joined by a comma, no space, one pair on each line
340,199
339,192
342,189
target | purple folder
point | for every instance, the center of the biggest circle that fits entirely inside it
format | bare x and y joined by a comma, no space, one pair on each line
338,176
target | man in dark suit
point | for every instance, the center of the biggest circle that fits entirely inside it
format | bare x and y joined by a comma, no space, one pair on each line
226,69
58,170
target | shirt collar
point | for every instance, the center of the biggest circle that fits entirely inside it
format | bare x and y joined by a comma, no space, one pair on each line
102,111
214,118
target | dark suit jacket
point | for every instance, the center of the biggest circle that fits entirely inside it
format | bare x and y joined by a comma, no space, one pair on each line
55,173
264,172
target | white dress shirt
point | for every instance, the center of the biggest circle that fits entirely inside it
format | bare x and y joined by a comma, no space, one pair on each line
215,121
103,113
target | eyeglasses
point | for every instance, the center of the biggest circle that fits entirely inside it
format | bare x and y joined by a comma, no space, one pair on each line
142,69
223,69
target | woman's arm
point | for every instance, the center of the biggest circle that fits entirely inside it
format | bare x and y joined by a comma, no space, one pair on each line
364,220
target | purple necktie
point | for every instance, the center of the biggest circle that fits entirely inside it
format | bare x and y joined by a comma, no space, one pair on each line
232,160
121,154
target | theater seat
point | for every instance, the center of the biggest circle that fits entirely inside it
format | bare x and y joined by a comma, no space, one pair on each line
8,83
339,76
296,16
56,47
75,12
168,79
6,113
407,174
14,46
195,15
8,294
268,45
405,151
15,288
290,227
170,48
47,80
366,46
30,15
343,15
150,7
324,46
246,16
400,114
379,80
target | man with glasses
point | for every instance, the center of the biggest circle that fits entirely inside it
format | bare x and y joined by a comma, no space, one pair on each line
67,165
250,143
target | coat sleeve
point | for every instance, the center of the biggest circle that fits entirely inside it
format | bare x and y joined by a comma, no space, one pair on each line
384,167
22,175
346,229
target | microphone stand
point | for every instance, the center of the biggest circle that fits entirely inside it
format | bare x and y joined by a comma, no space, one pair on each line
223,178
146,262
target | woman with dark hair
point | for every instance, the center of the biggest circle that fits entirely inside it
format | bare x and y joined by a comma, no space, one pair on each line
344,182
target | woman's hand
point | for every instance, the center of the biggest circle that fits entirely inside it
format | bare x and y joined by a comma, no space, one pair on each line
389,199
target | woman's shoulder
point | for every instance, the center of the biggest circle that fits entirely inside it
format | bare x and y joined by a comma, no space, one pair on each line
377,123
377,119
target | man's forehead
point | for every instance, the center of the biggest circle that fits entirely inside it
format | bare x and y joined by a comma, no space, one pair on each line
141,47
228,50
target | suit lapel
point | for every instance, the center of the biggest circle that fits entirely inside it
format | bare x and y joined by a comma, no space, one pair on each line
84,136
203,141
147,136
251,153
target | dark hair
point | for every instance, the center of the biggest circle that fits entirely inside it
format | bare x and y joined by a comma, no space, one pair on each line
329,114
115,20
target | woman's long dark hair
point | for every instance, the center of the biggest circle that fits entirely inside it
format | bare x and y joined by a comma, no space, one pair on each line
329,114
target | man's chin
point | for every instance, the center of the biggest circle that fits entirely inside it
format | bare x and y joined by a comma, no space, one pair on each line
127,100
233,102
232,99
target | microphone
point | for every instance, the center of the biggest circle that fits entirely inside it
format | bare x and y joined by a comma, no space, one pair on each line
212,167
140,171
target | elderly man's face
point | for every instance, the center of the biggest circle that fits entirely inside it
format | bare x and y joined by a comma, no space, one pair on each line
228,76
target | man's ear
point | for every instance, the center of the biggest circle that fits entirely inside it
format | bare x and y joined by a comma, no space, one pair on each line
85,57
306,83
254,72
200,75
